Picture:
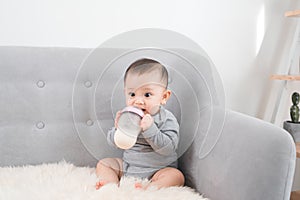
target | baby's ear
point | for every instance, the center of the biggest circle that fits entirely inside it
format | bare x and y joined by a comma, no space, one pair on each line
166,96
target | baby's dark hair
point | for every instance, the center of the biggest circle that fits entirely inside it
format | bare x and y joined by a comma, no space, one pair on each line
146,65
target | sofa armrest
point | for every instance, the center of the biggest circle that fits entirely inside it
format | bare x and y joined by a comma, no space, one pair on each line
251,160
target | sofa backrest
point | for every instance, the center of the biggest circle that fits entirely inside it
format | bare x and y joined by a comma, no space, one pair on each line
58,103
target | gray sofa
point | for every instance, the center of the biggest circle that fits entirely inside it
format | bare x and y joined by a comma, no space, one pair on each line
58,103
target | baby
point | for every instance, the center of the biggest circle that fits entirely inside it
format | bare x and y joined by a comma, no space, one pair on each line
154,155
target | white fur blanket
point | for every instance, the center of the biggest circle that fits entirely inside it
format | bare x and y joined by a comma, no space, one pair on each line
64,181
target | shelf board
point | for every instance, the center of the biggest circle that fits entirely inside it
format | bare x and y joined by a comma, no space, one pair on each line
293,13
285,77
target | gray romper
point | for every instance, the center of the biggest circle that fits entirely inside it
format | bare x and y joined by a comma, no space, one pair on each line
155,148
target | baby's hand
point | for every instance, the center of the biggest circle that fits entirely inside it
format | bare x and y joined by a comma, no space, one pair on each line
117,118
146,122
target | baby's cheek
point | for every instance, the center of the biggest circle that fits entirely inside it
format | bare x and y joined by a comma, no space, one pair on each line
129,102
154,109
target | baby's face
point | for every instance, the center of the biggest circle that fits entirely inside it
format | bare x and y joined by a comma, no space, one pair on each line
146,92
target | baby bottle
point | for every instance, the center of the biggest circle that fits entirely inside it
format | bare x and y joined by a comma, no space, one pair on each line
128,127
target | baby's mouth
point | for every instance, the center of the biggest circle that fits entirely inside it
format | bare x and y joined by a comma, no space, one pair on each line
144,111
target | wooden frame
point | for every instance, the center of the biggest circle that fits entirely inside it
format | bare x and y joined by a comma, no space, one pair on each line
293,13
285,77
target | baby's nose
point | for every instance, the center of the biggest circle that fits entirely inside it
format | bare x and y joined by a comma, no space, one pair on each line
139,101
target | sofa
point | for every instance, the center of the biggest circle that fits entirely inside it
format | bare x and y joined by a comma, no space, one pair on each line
58,103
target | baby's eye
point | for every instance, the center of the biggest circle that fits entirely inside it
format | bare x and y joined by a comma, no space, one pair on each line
132,94
147,94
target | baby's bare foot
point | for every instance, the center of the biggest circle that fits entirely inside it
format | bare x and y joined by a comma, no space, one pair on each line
99,184
138,185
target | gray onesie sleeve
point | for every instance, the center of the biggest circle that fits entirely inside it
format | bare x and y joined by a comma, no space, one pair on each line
163,135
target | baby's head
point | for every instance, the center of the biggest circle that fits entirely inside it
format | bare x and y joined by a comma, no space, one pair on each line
145,85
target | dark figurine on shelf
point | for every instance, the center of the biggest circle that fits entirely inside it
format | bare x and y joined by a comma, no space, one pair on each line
294,110
293,125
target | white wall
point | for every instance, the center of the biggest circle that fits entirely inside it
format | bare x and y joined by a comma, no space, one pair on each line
229,31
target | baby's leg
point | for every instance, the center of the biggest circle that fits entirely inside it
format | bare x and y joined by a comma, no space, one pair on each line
109,170
167,177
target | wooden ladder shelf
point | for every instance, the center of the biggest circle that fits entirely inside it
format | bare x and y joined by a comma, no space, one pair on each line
293,13
285,77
